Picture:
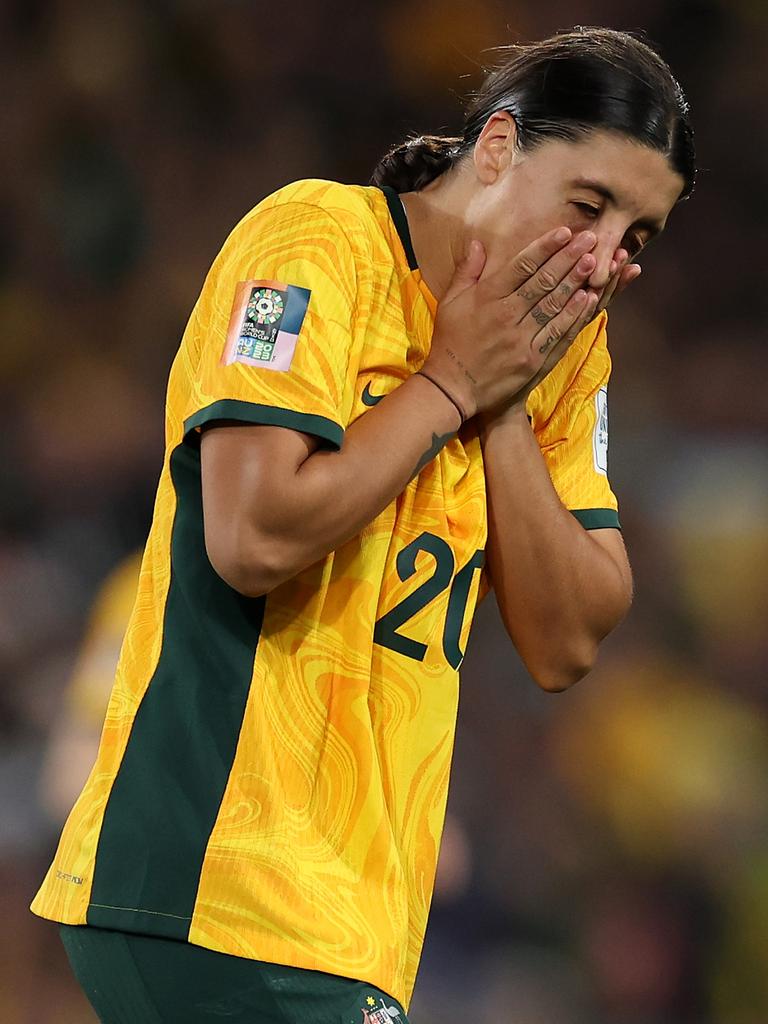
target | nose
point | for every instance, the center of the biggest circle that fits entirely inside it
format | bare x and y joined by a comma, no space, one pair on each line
607,244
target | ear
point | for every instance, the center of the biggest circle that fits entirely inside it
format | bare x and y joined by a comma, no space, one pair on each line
495,146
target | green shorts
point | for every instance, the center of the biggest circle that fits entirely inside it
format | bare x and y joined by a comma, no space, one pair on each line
138,979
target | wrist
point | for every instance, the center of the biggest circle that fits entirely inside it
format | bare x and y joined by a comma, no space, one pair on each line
512,414
451,415
452,381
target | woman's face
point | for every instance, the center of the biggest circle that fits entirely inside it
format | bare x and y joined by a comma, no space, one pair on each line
605,183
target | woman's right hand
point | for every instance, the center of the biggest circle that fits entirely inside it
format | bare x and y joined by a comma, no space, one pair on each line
498,332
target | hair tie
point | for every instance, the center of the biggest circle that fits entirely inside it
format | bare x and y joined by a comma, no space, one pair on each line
462,415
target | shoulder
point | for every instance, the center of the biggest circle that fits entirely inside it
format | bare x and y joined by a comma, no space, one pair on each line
328,208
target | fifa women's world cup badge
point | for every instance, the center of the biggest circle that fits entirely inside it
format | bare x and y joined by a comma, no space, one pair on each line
265,306
600,435
265,324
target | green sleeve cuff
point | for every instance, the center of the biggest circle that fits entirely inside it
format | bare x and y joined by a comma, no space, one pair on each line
267,415
597,518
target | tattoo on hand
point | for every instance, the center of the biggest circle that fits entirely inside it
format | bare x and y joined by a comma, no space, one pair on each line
527,294
437,444
543,349
540,317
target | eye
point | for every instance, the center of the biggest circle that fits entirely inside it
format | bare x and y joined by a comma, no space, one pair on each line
588,209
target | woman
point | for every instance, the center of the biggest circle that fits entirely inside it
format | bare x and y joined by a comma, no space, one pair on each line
383,404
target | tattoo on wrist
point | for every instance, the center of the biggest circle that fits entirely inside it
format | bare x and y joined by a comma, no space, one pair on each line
452,355
438,443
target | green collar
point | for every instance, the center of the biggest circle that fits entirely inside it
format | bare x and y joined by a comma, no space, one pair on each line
397,213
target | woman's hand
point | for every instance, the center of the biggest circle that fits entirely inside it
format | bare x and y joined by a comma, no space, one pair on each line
623,273
498,332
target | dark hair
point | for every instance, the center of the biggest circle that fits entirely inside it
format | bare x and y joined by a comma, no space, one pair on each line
563,88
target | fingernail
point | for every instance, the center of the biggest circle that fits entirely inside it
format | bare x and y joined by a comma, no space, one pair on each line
614,267
586,264
562,235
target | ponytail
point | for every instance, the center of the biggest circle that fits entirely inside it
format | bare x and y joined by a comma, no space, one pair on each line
411,166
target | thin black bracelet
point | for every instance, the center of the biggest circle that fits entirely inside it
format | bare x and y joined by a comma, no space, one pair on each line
447,394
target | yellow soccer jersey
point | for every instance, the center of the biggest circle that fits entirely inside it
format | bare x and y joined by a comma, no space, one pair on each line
272,775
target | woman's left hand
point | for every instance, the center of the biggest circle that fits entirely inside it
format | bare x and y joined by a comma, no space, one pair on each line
622,277
623,273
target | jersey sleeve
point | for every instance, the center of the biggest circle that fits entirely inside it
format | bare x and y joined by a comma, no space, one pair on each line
572,430
271,334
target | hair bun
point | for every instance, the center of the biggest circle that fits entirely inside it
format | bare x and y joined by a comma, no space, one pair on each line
411,165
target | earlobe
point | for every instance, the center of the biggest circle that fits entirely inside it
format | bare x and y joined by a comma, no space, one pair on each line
495,146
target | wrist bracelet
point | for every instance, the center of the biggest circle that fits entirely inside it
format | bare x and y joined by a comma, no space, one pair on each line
463,417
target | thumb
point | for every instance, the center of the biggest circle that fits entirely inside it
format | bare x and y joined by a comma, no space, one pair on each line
468,270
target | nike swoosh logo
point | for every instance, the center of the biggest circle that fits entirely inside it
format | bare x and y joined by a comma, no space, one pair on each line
368,398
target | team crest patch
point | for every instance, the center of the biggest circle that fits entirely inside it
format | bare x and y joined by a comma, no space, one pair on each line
265,323
377,1012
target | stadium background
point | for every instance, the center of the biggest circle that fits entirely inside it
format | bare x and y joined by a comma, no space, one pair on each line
606,852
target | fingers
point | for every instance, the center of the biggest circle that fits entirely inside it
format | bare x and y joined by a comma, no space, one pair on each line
628,275
555,299
621,278
553,341
509,277
617,267
545,287
563,328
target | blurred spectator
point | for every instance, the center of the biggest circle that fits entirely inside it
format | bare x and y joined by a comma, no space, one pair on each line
74,735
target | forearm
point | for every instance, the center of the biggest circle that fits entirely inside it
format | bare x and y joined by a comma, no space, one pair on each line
559,590
332,496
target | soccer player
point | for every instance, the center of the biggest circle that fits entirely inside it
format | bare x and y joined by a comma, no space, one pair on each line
387,400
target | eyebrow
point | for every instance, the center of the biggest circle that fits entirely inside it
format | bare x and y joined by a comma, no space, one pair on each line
653,227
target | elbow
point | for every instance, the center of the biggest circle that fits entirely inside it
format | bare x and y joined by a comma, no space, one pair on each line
558,670
253,570
564,656
248,581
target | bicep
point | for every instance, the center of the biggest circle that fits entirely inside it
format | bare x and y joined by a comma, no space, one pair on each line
246,476
612,543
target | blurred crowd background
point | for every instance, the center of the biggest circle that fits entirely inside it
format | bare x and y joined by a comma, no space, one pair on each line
606,852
